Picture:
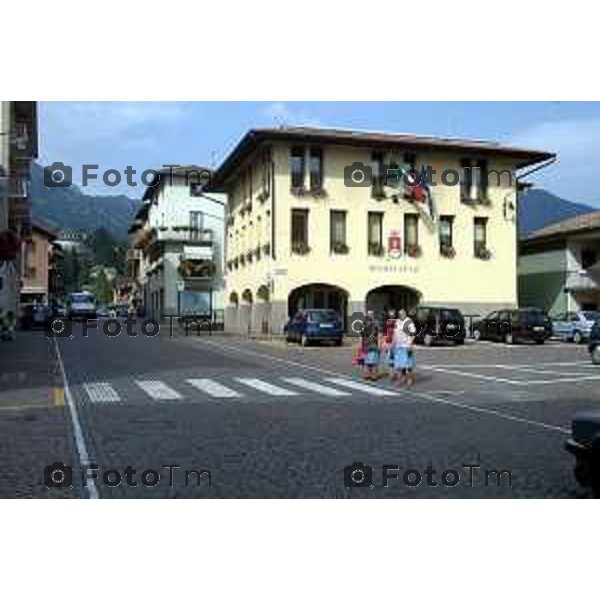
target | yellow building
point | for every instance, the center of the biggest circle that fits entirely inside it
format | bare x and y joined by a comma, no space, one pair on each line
319,218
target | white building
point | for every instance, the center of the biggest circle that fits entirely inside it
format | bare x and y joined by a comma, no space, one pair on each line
177,253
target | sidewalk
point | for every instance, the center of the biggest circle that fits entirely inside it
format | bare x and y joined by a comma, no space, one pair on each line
34,424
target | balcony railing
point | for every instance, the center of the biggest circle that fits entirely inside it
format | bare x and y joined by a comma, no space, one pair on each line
582,280
185,234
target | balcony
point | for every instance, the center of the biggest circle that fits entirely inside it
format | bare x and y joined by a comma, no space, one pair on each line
583,280
197,269
188,235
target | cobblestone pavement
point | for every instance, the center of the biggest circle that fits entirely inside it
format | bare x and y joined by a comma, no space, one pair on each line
272,420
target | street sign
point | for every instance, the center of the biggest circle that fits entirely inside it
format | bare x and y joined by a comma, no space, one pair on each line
180,286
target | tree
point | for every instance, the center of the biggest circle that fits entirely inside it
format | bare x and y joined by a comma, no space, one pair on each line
102,288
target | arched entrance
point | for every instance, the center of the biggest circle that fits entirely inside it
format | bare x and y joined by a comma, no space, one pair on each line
392,297
318,295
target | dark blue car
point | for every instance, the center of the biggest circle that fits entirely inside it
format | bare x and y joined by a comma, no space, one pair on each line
594,343
315,325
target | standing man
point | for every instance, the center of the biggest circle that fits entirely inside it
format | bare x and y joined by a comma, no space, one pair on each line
389,336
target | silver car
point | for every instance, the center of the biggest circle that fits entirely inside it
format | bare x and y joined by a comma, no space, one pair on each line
575,326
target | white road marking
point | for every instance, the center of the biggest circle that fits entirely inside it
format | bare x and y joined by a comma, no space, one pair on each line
374,390
157,390
213,388
472,375
225,348
267,388
315,387
101,392
564,380
84,457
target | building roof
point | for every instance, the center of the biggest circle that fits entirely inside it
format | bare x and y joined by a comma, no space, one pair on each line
407,141
586,223
45,231
164,173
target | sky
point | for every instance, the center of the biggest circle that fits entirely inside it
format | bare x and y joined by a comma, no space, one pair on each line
147,135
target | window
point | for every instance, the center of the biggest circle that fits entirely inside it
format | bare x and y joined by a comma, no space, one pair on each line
316,168
297,167
481,180
445,231
588,257
466,179
378,174
299,228
411,232
338,231
479,234
195,220
474,180
375,233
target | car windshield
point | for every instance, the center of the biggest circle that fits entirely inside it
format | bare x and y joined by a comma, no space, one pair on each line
79,298
533,316
322,316
450,315
591,315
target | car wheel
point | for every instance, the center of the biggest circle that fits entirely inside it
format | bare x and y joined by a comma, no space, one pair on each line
596,355
428,339
338,342
459,342
477,335
539,342
509,338
577,337
304,340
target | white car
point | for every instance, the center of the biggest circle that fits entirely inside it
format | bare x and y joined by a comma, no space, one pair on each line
575,327
81,305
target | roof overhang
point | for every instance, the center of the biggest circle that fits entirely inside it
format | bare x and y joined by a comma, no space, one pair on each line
385,141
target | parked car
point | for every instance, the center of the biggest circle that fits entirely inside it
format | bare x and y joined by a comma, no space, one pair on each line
36,315
81,305
315,325
102,312
438,324
584,444
594,343
514,325
575,326
60,310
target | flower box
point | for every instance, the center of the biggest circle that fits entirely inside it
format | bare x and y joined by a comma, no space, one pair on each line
375,249
301,249
298,191
340,248
414,250
318,193
447,251
483,253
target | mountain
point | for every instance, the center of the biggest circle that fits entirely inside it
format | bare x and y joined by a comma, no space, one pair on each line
70,208
538,208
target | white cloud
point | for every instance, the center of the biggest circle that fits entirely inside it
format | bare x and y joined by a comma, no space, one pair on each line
577,145
282,114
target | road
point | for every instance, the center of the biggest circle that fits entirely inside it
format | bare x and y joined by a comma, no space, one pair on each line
267,420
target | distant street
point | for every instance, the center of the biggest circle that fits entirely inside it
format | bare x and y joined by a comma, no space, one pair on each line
270,420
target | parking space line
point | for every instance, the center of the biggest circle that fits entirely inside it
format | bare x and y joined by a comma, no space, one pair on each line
472,375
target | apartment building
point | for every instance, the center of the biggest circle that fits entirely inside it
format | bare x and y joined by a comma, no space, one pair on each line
559,266
18,147
176,252
314,220
38,264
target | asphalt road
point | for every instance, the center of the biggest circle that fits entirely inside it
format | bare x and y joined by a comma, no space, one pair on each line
263,419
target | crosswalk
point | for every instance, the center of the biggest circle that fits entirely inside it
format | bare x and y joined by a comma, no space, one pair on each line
238,388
